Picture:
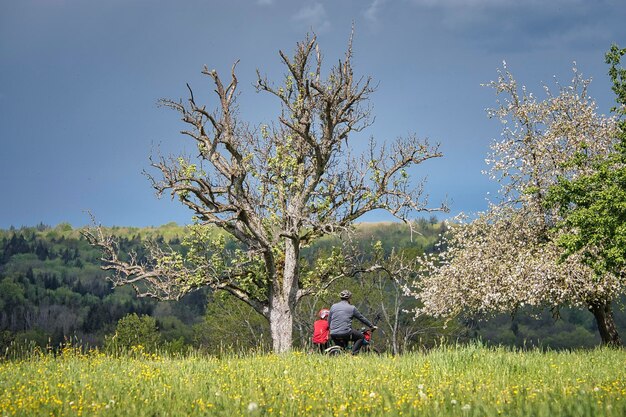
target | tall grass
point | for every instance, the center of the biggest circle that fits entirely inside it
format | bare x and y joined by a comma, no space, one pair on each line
448,381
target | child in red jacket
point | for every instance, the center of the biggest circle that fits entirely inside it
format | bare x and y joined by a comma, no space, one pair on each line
321,332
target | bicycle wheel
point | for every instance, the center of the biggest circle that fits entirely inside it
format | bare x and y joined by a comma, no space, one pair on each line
333,351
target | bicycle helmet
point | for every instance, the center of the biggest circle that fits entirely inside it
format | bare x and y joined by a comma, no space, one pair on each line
345,295
323,313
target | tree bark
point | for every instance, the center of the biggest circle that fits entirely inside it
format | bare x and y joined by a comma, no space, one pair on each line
603,312
281,324
283,299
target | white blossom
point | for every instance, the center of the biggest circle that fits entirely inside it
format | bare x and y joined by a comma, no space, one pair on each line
507,256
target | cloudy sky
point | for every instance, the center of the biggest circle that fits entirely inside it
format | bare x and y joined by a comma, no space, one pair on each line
79,82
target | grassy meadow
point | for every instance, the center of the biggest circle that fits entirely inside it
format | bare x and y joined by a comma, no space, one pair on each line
448,381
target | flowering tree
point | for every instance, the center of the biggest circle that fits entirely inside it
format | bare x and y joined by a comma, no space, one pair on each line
593,205
509,256
273,189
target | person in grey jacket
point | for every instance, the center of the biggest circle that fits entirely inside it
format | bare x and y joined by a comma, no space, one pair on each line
340,323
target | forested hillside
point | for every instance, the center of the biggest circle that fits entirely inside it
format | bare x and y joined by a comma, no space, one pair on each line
52,289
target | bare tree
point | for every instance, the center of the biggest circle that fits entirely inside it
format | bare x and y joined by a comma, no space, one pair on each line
274,189
385,291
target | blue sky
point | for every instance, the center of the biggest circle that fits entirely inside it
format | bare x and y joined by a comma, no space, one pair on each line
79,82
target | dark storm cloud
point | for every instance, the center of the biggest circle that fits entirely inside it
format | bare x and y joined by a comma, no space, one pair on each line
506,25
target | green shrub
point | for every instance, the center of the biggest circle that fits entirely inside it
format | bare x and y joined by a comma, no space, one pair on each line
134,331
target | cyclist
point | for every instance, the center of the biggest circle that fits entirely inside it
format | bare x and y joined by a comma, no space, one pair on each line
320,330
340,323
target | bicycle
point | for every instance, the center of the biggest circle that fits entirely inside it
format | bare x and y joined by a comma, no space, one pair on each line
366,347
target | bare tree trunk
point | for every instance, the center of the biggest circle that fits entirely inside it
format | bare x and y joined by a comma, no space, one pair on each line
281,324
603,312
395,331
283,299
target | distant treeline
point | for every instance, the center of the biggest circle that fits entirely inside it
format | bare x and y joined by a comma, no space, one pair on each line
52,289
